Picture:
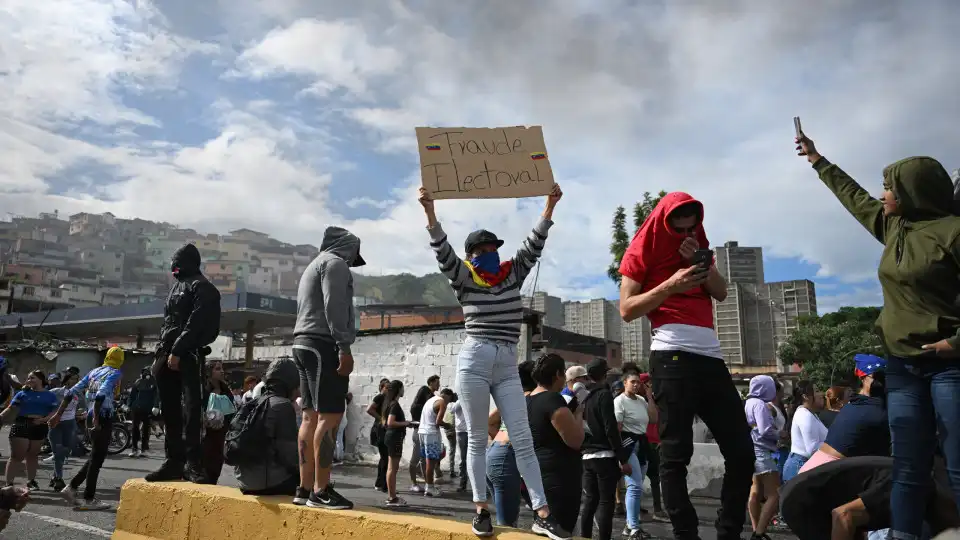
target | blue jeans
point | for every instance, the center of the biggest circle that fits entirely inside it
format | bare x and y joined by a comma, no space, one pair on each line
792,467
484,368
634,484
921,401
62,439
505,480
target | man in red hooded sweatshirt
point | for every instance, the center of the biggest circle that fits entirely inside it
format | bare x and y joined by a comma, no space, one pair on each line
686,365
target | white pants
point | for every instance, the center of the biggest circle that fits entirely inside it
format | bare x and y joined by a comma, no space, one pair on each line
485,368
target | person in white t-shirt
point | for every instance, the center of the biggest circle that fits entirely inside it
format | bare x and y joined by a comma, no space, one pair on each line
431,442
634,412
807,432
460,429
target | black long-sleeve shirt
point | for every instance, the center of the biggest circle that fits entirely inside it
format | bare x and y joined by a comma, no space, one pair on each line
602,431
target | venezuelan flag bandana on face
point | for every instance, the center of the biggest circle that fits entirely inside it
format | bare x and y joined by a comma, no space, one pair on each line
487,279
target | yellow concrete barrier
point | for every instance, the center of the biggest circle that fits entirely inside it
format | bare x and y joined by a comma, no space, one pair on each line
183,511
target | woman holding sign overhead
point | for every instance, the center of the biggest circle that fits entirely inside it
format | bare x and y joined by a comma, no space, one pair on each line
489,291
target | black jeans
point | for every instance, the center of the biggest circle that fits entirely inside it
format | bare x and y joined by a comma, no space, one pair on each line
181,404
382,464
600,477
141,429
90,471
653,473
687,385
562,486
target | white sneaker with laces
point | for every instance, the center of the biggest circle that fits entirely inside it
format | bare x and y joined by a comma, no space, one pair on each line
69,494
416,488
134,453
93,504
432,491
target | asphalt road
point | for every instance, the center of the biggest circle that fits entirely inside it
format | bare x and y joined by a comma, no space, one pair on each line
47,512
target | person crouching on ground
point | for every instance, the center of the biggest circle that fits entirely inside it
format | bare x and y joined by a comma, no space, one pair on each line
662,282
431,441
280,473
101,387
324,331
764,495
489,291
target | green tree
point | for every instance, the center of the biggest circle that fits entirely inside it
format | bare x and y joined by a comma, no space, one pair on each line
824,346
621,240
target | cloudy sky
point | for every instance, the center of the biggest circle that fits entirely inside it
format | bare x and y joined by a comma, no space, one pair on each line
291,115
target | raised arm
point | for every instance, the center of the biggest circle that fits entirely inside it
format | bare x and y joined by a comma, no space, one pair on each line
864,208
450,264
532,247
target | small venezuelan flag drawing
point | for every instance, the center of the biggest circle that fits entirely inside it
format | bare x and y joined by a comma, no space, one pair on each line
433,147
538,155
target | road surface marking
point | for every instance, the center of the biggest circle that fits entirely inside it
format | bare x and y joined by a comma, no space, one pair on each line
90,529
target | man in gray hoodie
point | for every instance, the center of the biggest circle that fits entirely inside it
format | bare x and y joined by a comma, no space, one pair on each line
279,474
323,334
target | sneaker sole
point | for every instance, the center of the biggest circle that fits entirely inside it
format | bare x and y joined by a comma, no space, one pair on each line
311,504
544,532
299,502
482,534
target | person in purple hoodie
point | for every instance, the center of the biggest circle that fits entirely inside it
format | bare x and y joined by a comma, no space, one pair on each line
765,432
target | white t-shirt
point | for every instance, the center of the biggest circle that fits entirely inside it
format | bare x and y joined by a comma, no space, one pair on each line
428,418
807,433
686,337
70,413
632,413
459,420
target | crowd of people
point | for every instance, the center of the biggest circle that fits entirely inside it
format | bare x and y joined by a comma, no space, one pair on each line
837,462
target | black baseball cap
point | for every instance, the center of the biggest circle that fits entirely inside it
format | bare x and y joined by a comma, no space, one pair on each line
597,369
482,236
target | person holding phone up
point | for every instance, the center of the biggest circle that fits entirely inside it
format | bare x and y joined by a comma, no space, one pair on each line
669,277
920,323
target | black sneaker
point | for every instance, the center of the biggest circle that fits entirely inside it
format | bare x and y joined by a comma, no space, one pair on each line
482,524
32,485
549,527
57,484
301,496
168,472
196,474
329,499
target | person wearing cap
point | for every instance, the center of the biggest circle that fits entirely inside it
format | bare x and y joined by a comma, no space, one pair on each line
322,336
102,388
575,375
605,458
669,276
861,428
191,321
489,291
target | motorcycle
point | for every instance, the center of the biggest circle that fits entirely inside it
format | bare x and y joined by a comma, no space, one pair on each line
119,434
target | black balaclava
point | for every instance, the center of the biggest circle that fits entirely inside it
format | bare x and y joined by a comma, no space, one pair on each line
185,262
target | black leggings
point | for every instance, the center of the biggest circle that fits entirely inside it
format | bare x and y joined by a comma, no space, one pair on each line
600,477
562,486
382,465
140,434
90,472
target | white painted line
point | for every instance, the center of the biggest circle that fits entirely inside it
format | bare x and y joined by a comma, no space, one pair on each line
90,529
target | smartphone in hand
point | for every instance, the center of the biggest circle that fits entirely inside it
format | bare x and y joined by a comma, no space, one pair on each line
797,127
703,259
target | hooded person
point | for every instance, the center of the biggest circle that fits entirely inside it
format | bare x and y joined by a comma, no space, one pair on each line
280,473
101,387
765,433
191,321
324,331
488,288
141,401
919,326
666,280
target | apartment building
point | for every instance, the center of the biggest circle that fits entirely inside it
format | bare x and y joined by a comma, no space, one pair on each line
551,307
740,264
598,318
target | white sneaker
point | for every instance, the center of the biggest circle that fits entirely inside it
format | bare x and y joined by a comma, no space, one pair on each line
432,491
49,459
94,504
416,488
134,454
69,494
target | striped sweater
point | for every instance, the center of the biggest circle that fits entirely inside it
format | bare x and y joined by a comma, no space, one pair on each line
490,312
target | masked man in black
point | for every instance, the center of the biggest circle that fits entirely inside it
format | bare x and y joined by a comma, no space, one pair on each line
191,321
142,400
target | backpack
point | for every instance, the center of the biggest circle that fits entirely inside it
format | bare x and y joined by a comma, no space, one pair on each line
246,442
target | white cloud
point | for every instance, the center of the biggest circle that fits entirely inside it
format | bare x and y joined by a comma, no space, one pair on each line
686,96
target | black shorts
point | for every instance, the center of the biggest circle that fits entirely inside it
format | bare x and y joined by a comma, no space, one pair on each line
24,428
322,389
393,440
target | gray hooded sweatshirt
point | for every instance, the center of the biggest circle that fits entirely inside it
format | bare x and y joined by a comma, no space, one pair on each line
325,295
281,379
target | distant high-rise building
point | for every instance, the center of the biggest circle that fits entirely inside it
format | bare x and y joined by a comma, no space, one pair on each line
598,318
550,306
740,264
636,340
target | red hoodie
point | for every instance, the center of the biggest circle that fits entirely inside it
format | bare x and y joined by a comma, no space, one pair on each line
653,256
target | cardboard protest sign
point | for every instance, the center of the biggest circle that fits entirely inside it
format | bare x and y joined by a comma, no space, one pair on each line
484,163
